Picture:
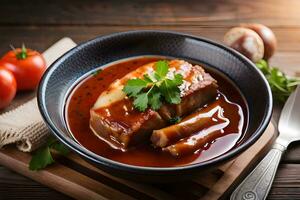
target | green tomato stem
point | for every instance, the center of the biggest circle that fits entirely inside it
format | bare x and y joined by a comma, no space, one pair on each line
23,54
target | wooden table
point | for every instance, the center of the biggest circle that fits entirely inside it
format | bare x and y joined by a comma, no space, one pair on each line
39,24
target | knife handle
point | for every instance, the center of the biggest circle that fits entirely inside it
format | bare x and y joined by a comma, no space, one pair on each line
257,184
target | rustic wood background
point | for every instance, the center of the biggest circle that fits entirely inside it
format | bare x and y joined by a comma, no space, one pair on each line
40,23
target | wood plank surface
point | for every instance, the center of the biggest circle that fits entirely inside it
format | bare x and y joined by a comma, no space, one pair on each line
286,183
41,23
155,12
77,178
15,186
286,58
41,38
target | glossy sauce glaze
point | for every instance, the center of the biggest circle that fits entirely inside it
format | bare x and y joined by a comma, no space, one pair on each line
87,91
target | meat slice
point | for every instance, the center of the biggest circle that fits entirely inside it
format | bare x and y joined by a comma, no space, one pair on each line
198,88
121,125
115,120
188,126
221,117
196,141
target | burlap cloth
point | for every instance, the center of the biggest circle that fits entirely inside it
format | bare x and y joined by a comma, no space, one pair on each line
24,125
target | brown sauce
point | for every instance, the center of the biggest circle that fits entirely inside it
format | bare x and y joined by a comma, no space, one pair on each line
85,94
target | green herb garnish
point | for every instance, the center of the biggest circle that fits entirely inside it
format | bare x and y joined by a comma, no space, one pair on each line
43,156
154,87
175,120
95,73
281,85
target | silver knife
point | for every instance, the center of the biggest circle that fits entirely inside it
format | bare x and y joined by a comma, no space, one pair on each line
257,184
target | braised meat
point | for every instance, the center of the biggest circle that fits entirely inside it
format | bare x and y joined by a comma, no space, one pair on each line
115,120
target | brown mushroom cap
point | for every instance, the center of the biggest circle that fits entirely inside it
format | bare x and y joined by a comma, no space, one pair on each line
246,41
268,37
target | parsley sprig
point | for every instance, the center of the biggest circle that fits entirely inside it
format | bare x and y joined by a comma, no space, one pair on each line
42,157
154,87
281,85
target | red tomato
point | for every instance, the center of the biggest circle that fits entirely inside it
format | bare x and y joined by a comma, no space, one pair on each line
8,87
27,66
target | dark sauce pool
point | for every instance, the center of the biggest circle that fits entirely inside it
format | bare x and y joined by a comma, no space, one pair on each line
85,94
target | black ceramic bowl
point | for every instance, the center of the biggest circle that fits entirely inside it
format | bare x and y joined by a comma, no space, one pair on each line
62,75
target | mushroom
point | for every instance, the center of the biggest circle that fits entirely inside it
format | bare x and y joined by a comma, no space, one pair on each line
246,41
268,37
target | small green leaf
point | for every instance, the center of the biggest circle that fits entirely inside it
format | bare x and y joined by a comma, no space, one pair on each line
60,148
149,78
155,100
175,120
292,83
157,77
134,86
162,68
141,102
95,73
280,84
51,140
170,91
41,158
178,79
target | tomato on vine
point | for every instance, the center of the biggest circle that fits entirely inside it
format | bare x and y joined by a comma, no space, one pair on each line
27,66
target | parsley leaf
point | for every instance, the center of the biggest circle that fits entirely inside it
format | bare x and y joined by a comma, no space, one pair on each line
134,86
161,68
154,88
149,78
95,73
154,100
170,91
281,85
141,101
175,120
43,156
61,148
178,79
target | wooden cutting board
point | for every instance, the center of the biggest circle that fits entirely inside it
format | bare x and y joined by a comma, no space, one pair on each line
75,177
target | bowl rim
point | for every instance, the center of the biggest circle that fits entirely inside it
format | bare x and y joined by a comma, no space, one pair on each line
73,145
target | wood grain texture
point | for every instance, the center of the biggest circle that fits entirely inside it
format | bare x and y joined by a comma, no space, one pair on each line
286,183
12,185
242,165
77,178
40,23
154,12
41,37
61,178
